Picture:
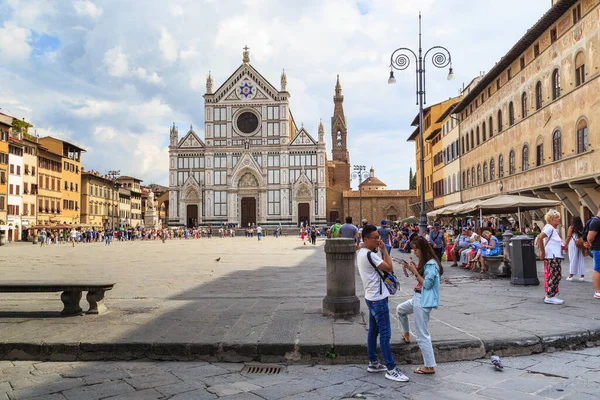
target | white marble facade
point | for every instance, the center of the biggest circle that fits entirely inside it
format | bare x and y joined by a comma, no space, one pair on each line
253,166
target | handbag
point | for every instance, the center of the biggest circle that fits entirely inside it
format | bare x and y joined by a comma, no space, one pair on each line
388,278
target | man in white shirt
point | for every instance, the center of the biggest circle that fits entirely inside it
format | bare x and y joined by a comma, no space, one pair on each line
371,268
259,232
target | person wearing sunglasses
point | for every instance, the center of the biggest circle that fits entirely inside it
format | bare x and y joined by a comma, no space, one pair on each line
376,296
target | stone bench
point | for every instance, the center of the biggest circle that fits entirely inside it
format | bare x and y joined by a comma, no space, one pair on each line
495,265
71,293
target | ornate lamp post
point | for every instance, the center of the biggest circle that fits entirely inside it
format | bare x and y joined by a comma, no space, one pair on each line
114,174
400,60
360,174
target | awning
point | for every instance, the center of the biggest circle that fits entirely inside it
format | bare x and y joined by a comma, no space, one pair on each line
508,203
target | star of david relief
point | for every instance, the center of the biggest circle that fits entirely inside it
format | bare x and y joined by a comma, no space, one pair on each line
248,180
246,90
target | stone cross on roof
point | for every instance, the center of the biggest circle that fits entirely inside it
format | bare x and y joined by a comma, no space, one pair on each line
246,55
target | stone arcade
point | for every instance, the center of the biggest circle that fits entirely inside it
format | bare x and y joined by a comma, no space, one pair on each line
254,166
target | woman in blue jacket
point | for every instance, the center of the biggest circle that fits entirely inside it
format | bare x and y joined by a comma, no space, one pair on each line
426,297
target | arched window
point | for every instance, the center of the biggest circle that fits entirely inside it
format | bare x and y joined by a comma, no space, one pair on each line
582,136
511,162
525,158
492,169
539,152
468,181
511,114
472,140
556,84
499,120
524,105
453,183
483,132
479,174
491,125
463,145
500,166
538,96
579,68
556,145
478,141
472,176
465,181
485,172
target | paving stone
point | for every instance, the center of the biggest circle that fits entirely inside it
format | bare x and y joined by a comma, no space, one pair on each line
502,394
291,388
528,385
47,388
147,394
555,367
101,377
180,387
444,395
484,375
54,396
199,394
157,378
99,391
345,389
229,389
224,379
270,380
335,377
197,373
51,368
242,396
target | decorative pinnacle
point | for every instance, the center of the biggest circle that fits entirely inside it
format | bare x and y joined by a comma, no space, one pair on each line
246,57
338,87
209,83
283,81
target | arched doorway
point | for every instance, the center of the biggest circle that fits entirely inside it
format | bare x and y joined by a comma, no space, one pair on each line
304,213
248,211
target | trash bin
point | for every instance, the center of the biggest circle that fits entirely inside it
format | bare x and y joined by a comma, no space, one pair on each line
523,262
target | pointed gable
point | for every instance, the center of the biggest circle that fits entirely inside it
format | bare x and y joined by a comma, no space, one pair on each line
303,138
231,89
190,141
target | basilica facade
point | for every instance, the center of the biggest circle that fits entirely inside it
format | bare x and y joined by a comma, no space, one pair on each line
254,165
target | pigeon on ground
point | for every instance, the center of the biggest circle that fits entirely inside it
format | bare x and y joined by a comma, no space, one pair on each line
497,363
218,259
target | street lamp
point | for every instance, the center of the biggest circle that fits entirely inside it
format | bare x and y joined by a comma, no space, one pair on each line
360,174
400,60
114,174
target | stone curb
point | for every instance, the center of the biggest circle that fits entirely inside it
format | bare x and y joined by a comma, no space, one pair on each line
292,353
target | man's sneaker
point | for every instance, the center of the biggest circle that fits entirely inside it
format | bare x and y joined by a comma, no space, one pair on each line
376,367
553,300
454,265
396,375
597,295
569,278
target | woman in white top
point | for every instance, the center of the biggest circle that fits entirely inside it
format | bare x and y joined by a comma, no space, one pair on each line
576,257
551,244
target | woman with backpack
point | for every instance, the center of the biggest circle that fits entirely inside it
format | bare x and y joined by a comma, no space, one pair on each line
425,299
576,256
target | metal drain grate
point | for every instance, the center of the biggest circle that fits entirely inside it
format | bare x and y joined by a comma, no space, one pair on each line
264,369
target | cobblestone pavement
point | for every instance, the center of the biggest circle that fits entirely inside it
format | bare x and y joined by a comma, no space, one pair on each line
561,375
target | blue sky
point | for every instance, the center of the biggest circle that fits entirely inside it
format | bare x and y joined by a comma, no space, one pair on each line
112,76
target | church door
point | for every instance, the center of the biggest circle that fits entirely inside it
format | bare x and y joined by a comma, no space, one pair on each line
192,215
248,211
303,213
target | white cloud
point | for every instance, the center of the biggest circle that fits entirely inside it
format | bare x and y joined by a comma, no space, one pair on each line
87,8
104,133
14,46
168,46
116,62
145,76
94,108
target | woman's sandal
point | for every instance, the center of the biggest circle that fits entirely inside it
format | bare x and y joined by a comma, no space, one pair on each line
406,337
421,371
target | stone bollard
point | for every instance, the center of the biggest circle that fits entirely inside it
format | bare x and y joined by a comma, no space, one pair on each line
341,297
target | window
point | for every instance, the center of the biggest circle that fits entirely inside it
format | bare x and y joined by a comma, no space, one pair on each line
511,162
525,158
536,50
472,176
463,178
273,128
579,68
497,84
491,125
538,96
556,84
273,176
220,131
553,36
485,172
472,140
492,169
483,133
582,136
25,188
220,114
273,202
511,114
576,13
468,181
220,177
273,160
524,105
11,169
478,141
522,62
509,74
539,154
220,203
556,146
10,189
499,120
18,170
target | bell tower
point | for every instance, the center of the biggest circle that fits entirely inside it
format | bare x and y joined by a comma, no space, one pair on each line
339,130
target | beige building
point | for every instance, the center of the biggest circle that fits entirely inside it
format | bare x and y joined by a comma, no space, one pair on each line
30,183
49,176
134,185
374,202
528,126
99,201
124,207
